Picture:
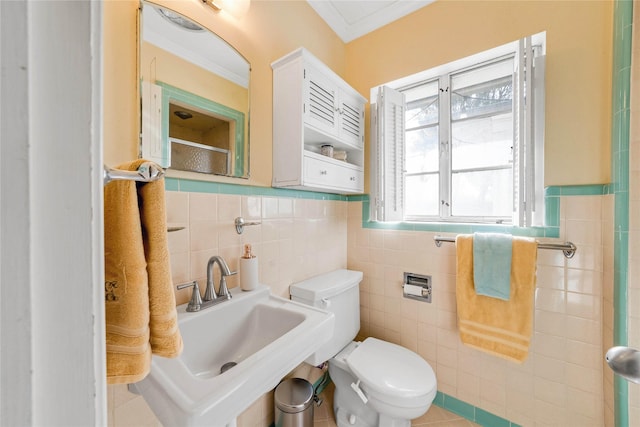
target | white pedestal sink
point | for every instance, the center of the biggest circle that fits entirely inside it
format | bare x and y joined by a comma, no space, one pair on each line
264,335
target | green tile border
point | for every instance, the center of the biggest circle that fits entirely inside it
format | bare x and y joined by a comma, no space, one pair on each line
470,412
577,190
621,92
195,186
552,215
185,184
552,206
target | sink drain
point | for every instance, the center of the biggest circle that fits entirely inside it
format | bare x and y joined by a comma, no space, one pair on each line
227,366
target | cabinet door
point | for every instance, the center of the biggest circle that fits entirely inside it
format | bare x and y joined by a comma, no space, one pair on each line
320,102
351,111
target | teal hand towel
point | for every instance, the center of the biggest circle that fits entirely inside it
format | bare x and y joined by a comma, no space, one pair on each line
492,264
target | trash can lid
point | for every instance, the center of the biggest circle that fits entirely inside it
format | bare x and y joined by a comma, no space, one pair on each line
293,395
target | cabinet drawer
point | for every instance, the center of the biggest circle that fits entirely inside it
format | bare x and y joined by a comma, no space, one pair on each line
329,174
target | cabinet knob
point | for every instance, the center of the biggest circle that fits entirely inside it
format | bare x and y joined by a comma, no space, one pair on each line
353,178
324,172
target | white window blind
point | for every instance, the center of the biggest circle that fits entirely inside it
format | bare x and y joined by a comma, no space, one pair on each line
388,155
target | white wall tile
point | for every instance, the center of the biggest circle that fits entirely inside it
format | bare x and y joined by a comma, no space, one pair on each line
551,300
229,207
251,208
202,206
177,207
299,238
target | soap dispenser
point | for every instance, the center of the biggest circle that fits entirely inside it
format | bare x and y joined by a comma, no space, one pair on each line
248,270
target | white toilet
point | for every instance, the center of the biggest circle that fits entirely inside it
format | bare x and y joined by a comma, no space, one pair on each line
377,383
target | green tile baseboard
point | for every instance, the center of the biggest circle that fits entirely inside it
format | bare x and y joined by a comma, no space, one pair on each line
470,412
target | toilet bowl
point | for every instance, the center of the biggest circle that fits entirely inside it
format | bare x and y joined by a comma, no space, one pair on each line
377,383
395,383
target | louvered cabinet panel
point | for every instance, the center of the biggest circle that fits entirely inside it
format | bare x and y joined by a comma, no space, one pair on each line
351,119
321,101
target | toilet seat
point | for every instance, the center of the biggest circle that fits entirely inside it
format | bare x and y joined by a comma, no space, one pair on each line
392,373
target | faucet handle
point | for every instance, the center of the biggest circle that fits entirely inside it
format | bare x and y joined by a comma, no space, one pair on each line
196,300
223,291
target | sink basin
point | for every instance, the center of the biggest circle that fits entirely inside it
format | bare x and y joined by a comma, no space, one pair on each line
234,352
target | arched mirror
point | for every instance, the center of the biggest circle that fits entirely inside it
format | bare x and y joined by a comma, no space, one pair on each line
195,96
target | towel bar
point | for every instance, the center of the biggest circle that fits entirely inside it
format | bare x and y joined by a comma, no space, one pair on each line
147,172
241,224
567,248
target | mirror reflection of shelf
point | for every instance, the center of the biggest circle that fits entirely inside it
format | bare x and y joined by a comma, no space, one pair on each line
192,156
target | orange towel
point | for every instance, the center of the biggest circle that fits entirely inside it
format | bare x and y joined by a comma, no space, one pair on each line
499,327
140,305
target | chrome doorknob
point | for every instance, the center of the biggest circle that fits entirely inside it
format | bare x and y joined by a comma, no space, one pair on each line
624,361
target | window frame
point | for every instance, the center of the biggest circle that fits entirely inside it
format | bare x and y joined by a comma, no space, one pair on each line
528,176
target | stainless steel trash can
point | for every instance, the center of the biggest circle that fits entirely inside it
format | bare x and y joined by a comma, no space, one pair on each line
294,403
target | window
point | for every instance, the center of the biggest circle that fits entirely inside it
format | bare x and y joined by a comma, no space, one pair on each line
463,142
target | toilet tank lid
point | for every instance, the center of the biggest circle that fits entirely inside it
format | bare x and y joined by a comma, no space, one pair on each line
326,285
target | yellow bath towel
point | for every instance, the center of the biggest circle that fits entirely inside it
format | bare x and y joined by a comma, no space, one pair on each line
499,327
140,305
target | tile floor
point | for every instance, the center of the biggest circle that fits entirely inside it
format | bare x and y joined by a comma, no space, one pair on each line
435,416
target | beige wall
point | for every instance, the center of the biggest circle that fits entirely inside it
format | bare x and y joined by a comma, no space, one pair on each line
579,43
269,30
121,94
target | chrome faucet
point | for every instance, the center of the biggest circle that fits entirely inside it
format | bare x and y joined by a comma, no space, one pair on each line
211,297
210,294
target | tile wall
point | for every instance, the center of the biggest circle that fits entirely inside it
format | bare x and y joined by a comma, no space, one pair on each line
634,214
296,239
561,382
608,304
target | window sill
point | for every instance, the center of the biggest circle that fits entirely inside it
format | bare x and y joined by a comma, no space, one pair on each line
552,215
551,231
460,228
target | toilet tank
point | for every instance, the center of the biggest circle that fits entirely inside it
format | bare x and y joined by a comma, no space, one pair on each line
337,292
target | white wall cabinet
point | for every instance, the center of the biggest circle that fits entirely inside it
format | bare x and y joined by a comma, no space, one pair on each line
312,107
